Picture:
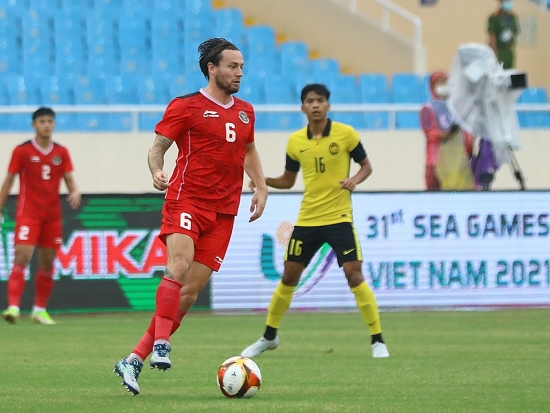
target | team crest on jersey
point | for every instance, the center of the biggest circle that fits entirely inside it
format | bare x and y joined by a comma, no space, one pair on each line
334,148
56,160
244,117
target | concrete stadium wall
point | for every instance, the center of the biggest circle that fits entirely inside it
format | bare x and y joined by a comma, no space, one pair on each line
117,162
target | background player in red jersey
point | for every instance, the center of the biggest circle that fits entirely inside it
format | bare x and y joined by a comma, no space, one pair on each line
41,164
214,133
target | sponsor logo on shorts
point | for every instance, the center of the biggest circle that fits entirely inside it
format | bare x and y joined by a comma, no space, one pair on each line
346,252
218,260
58,241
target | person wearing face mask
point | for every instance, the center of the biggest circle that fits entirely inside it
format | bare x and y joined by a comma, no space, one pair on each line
448,148
503,31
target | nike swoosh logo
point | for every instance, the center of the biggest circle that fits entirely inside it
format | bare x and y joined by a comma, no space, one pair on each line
346,252
303,150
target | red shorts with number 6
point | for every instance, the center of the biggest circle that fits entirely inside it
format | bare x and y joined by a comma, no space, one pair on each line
210,230
32,231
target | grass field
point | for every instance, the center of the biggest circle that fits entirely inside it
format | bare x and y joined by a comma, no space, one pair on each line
495,361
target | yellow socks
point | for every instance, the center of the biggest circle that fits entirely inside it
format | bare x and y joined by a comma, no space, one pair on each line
366,302
282,297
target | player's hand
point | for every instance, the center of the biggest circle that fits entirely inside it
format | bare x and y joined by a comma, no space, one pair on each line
257,205
160,180
252,186
74,199
348,184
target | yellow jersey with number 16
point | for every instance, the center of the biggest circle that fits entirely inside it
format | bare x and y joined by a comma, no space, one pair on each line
325,161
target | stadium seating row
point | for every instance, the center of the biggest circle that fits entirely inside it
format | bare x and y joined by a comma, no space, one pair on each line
65,52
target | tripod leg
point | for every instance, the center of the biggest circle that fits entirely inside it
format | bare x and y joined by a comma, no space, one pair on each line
515,167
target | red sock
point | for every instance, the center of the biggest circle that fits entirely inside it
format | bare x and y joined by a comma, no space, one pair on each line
145,345
44,284
16,285
167,305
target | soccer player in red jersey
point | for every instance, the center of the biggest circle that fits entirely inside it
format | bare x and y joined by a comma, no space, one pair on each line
41,164
214,133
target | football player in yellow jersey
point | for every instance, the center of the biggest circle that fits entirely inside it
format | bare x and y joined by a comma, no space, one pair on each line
323,150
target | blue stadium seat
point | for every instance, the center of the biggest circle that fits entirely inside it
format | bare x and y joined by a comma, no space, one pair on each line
343,89
198,27
78,6
300,80
42,8
23,90
534,119
180,85
260,41
66,122
151,91
12,10
10,61
261,66
101,46
121,90
323,70
373,89
294,58
279,90
407,88
174,7
57,91
197,6
252,90
229,24
107,7
165,46
89,90
287,121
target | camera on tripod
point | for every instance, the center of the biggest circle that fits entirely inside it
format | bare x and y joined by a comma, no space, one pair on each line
482,100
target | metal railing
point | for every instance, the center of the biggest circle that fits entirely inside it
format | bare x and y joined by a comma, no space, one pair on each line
136,110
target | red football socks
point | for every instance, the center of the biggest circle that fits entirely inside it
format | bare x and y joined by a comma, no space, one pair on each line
145,345
43,287
167,305
16,285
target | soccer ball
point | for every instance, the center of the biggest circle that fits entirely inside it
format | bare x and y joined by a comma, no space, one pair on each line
239,377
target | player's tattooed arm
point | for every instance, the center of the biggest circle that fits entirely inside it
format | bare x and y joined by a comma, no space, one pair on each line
155,160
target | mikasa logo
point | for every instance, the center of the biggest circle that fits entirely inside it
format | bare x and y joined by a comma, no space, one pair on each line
211,114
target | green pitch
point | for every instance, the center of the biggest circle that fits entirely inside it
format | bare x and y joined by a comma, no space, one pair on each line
496,361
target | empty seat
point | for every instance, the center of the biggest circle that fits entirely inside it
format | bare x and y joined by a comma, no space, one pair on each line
287,121
261,66
294,58
89,90
56,91
534,119
407,88
280,90
23,90
174,7
343,89
229,24
198,27
260,41
252,90
323,70
197,6
373,89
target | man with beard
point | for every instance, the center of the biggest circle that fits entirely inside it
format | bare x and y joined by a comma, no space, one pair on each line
214,133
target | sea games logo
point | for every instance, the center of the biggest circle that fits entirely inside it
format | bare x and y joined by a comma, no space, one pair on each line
314,272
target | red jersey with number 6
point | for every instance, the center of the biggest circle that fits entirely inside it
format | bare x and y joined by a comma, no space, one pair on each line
40,173
211,139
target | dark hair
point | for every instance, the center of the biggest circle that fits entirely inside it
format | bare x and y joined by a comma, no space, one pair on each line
43,112
211,51
318,88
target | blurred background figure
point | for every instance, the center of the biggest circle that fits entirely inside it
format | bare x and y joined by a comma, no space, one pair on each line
503,31
448,148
